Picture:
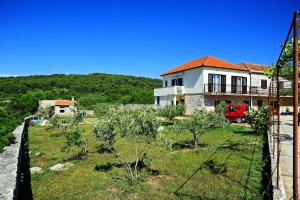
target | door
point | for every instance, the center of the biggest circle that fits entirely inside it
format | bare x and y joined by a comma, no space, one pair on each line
216,83
239,84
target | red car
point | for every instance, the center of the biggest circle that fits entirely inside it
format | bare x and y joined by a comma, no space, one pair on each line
236,112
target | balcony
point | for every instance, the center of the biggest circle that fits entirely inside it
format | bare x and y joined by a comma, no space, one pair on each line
173,90
217,89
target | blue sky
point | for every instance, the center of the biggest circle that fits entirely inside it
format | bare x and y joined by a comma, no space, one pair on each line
142,37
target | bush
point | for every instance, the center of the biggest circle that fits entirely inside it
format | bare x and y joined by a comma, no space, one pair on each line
221,108
6,139
259,120
170,112
73,138
103,109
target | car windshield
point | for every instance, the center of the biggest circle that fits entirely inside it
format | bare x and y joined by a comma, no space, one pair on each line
231,109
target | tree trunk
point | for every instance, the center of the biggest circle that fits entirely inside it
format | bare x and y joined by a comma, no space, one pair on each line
137,159
126,164
195,141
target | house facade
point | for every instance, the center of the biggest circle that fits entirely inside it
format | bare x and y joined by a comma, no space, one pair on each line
206,81
60,107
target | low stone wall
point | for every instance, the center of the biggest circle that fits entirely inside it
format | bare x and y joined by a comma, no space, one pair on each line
14,166
89,112
135,106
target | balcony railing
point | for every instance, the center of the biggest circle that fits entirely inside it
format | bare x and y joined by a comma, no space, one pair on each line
173,90
234,89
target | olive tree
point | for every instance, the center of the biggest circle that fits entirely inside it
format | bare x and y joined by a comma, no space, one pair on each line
200,122
74,138
170,112
130,124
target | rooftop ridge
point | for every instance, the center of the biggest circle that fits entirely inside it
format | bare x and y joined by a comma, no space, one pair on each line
206,61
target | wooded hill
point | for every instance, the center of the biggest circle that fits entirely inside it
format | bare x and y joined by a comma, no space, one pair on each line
87,89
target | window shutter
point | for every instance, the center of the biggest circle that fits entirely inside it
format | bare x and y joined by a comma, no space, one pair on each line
223,83
233,84
210,82
244,85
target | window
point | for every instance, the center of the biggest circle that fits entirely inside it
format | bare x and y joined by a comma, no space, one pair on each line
166,83
238,84
173,82
178,81
158,100
231,109
263,84
61,109
216,83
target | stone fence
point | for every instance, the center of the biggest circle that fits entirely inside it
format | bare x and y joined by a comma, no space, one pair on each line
15,180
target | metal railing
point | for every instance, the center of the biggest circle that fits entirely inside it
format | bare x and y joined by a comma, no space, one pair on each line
234,89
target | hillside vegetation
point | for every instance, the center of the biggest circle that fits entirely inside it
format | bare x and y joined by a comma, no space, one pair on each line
87,89
19,95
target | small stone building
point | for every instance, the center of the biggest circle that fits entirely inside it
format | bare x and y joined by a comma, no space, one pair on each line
64,107
60,107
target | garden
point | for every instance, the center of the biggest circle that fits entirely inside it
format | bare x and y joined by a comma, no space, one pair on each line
146,154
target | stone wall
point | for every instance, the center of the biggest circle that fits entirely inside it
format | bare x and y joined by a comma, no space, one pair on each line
135,106
14,167
193,102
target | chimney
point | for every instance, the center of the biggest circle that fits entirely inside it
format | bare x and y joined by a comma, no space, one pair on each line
73,99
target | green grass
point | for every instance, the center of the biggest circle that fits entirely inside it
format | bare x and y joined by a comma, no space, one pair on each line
227,165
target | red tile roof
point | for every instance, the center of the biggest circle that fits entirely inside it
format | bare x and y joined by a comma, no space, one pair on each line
64,103
255,67
207,61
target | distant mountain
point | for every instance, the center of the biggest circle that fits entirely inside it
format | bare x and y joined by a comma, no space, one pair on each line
87,89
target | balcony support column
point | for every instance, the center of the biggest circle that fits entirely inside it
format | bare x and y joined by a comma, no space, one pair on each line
174,100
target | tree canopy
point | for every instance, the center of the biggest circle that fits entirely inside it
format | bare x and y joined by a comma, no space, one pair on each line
87,89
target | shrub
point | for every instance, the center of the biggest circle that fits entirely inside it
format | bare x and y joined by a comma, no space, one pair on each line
170,112
221,108
73,138
259,120
102,109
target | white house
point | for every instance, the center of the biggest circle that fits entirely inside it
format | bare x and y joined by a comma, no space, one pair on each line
206,81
